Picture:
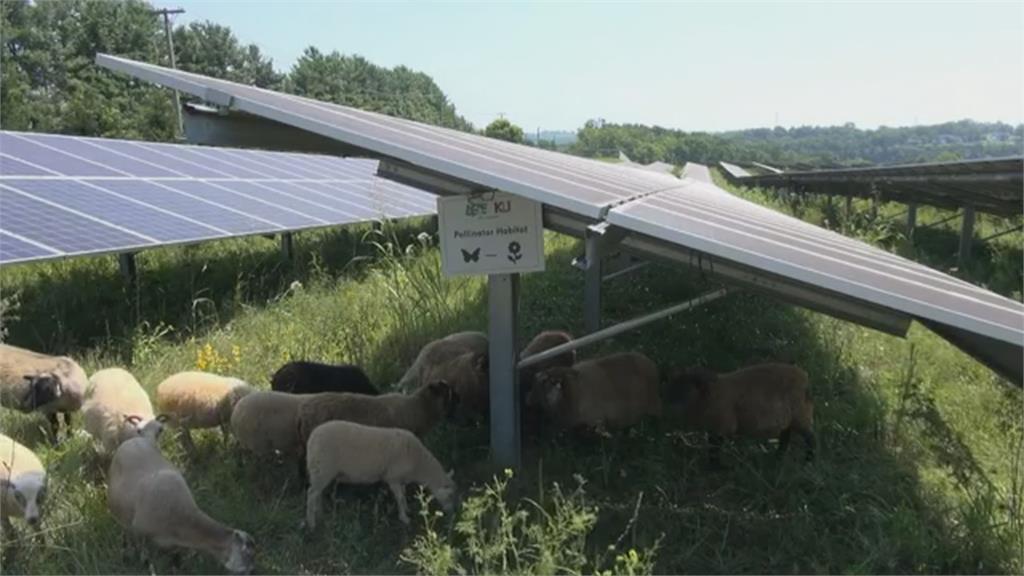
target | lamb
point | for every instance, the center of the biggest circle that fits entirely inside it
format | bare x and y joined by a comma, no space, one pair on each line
311,378
194,400
417,412
764,400
52,385
116,409
615,391
440,352
358,454
23,482
149,497
266,422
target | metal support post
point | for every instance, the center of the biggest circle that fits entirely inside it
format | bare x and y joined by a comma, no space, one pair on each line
911,220
126,262
616,329
626,270
287,246
592,283
503,304
966,236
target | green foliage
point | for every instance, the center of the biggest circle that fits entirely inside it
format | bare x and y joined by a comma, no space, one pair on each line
803,147
502,129
354,81
492,535
212,50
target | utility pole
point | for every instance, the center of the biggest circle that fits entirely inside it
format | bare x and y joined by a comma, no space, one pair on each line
166,13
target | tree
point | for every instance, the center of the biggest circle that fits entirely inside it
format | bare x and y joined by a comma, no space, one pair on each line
212,50
502,129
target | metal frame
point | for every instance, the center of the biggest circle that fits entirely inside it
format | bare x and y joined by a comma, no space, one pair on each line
966,237
502,330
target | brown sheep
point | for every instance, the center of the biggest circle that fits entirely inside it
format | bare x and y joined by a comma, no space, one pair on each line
531,416
439,352
765,400
468,376
615,391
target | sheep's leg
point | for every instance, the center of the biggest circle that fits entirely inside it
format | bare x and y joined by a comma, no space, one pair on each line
225,430
398,489
186,441
808,437
784,441
313,496
301,468
54,426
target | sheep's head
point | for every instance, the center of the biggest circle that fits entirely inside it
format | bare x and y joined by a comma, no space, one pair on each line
241,553
548,387
445,493
442,396
43,388
27,494
689,386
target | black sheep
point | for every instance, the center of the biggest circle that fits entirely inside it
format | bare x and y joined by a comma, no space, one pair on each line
303,377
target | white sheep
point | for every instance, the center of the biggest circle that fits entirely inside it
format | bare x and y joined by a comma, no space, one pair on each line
117,407
266,422
23,482
195,400
30,381
150,498
357,454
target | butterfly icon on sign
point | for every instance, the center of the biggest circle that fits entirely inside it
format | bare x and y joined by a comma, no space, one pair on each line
468,256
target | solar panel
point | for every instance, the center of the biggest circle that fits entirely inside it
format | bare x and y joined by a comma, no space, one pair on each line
697,172
686,216
733,171
64,195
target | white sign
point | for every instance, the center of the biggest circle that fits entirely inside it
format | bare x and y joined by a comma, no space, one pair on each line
490,233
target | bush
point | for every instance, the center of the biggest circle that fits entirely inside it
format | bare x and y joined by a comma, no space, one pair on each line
492,536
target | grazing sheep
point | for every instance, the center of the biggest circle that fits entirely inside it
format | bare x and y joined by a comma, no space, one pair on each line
440,352
311,378
52,385
468,376
150,498
614,391
764,400
23,482
357,454
267,422
531,416
417,412
116,408
194,400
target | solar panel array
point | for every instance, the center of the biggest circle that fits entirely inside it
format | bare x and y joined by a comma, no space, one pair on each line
689,214
697,172
64,195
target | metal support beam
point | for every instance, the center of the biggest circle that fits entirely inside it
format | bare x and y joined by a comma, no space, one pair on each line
287,246
620,328
126,262
627,270
943,221
592,283
966,237
1003,233
911,220
503,304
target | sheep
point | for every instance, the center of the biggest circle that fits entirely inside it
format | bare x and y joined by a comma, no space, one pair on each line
530,416
149,497
470,382
303,377
266,422
358,454
764,400
52,385
417,412
23,483
116,408
194,400
440,352
614,391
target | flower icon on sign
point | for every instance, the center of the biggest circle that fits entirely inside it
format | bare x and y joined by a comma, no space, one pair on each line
515,252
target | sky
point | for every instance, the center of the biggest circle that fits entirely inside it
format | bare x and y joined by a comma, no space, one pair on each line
691,66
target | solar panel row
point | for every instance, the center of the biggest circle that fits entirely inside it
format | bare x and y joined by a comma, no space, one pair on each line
689,214
63,195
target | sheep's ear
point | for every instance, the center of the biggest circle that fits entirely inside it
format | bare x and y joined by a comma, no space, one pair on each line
132,419
451,474
481,363
162,418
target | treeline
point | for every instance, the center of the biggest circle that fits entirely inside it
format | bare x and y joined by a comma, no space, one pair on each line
50,83
803,147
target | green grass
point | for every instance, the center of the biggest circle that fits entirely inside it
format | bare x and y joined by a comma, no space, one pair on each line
919,465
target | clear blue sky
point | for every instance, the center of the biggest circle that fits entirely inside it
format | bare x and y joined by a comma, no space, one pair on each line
693,66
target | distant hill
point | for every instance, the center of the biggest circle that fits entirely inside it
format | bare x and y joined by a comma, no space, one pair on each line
560,137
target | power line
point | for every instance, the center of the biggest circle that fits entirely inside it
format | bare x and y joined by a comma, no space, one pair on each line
166,13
